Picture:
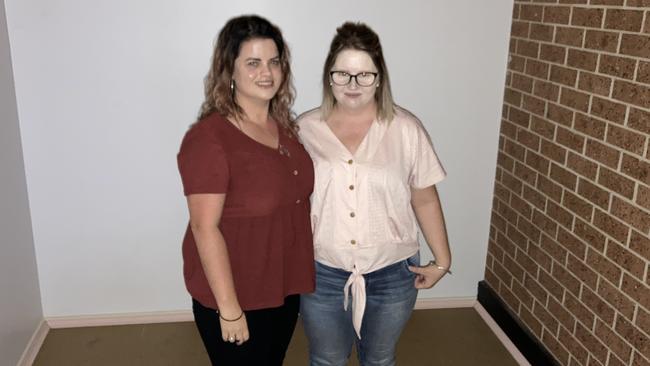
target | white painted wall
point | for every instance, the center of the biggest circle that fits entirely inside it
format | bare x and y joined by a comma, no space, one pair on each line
106,89
20,300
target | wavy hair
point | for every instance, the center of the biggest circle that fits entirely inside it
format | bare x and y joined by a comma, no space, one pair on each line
360,37
217,83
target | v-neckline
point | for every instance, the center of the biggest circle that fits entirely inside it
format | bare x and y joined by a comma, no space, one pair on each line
278,143
342,145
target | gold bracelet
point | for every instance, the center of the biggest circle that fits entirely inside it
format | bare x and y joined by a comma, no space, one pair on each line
433,263
231,320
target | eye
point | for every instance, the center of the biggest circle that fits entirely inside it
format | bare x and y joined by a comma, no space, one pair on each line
252,63
275,62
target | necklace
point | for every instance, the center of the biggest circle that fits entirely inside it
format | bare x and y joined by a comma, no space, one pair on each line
281,149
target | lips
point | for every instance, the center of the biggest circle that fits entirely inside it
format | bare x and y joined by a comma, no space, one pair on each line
265,84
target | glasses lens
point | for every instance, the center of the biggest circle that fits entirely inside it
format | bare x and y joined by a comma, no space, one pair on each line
340,78
365,78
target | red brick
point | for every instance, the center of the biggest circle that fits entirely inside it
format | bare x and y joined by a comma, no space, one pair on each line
521,206
553,151
582,59
589,234
559,114
563,176
622,67
571,243
525,173
587,17
541,32
545,223
569,281
611,226
522,294
519,117
602,310
542,127
550,189
606,2
608,110
527,48
528,139
593,193
556,14
640,244
602,41
502,274
537,162
581,312
643,73
595,84
638,3
512,183
643,197
639,120
519,29
563,75
615,343
626,20
574,347
531,13
517,63
583,272
636,338
632,93
626,259
630,214
582,166
534,105
590,126
626,139
514,268
512,96
602,153
561,215
569,36
577,205
535,289
569,139
549,322
534,325
555,347
638,360
635,45
642,319
522,83
517,237
591,343
561,314
534,197
603,266
574,99
537,69
636,168
552,53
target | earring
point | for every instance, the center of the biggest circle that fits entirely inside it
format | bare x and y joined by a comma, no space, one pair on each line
377,85
232,86
330,83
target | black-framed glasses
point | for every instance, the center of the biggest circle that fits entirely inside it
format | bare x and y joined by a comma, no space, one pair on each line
342,78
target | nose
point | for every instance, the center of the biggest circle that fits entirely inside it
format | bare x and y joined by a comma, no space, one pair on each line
266,69
353,83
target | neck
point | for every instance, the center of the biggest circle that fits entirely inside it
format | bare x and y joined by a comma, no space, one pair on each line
360,115
254,112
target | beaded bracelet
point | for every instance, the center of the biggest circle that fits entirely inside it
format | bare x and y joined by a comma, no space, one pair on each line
231,320
433,263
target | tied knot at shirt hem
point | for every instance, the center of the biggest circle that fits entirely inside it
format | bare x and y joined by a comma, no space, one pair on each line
357,284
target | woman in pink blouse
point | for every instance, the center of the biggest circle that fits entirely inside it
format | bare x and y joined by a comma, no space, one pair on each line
376,171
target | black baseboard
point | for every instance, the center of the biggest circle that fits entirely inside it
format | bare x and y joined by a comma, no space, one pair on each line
528,345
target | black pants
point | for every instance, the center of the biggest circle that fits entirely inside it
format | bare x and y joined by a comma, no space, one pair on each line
270,334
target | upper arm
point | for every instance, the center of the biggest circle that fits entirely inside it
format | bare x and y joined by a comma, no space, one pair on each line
423,196
205,209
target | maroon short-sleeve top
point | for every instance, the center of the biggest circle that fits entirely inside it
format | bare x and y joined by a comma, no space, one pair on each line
265,220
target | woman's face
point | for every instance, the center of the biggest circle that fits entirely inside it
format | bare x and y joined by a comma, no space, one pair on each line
354,96
257,72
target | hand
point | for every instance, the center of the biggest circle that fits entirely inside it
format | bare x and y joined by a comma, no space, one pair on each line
426,276
235,331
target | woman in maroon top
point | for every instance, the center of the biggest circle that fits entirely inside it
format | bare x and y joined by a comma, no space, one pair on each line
248,247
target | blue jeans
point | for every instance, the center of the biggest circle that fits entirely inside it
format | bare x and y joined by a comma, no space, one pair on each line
390,297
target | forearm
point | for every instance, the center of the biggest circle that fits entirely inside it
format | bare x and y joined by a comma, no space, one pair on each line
428,211
216,266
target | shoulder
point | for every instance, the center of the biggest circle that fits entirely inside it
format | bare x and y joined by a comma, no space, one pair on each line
209,130
309,117
407,121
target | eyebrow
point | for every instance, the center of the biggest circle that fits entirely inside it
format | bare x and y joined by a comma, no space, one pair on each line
259,59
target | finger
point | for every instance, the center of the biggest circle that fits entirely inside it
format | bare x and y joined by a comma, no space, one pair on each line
416,269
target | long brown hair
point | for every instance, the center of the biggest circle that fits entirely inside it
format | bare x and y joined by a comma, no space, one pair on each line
360,37
217,83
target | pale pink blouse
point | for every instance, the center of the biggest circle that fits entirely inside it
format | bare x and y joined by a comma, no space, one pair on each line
361,212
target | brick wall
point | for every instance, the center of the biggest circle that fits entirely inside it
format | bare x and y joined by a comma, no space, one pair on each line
569,249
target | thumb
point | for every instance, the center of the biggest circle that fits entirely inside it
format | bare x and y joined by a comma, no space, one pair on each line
415,269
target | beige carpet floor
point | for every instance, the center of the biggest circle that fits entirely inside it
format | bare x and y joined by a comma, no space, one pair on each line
441,337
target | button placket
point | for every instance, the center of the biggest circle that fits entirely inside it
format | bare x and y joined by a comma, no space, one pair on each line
351,169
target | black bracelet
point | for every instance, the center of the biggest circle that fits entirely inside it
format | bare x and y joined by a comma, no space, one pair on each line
231,320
